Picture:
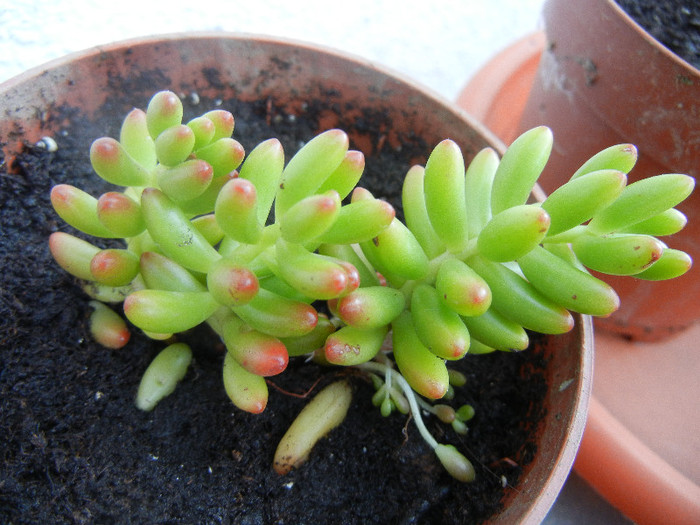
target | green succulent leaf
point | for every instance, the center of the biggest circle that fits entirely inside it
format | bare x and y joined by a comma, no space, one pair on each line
162,375
520,167
164,111
246,390
174,233
445,195
518,300
620,157
350,346
618,254
438,326
425,372
513,232
164,311
641,200
110,161
224,155
309,168
136,140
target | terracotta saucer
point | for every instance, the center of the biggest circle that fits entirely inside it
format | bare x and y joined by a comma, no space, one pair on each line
641,445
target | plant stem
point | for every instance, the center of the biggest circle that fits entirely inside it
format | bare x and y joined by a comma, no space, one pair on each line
408,392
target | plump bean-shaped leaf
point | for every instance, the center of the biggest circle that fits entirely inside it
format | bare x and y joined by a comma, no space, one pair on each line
462,289
185,181
120,214
672,263
161,273
667,222
263,167
223,121
174,145
112,163
359,222
493,330
203,129
424,371
322,414
350,346
224,155
136,139
246,390
107,327
346,176
517,299
236,211
641,200
174,233
231,284
396,251
438,326
513,232
455,463
164,111
162,375
260,354
72,254
371,306
478,185
79,209
167,312
314,275
520,167
308,169
445,195
209,228
278,316
114,267
580,199
416,214
567,285
620,157
310,217
618,254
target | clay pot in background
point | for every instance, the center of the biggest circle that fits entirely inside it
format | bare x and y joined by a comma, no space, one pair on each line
603,80
599,79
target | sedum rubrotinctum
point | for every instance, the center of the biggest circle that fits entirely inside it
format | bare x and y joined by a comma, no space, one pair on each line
252,247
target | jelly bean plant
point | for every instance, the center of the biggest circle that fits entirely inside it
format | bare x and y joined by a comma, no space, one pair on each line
286,259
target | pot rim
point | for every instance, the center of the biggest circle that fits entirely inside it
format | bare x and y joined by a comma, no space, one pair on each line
653,42
106,48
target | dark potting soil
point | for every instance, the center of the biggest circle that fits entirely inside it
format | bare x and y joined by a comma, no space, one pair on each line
674,23
75,449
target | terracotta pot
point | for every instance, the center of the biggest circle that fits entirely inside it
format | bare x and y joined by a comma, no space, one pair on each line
292,74
656,477
603,80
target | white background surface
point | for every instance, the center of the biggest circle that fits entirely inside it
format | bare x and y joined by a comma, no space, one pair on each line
439,43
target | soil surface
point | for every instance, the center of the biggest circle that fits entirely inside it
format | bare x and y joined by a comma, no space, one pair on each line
674,23
75,449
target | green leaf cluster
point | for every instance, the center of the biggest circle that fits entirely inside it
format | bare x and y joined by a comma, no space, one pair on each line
254,245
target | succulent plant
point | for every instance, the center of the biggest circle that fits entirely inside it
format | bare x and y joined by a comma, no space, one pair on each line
285,260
